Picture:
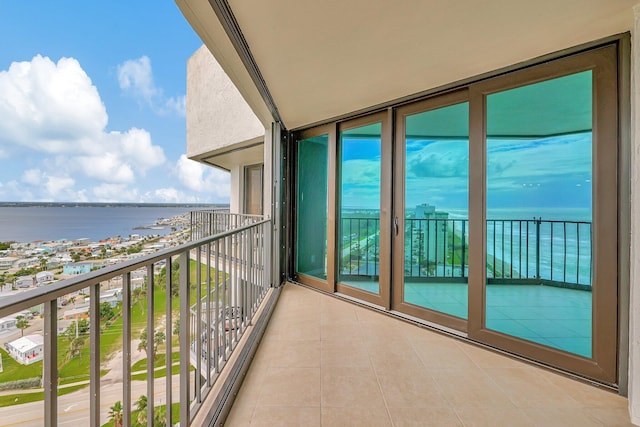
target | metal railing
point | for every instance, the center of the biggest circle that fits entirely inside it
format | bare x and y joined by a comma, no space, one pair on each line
539,250
197,301
206,223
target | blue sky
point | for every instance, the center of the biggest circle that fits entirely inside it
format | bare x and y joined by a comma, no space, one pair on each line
92,104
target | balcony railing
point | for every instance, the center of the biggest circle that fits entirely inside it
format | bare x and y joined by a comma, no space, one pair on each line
197,301
545,251
206,223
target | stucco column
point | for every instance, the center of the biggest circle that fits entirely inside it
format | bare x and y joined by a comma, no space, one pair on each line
634,300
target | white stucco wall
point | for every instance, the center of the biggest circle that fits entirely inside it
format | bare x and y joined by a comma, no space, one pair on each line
217,115
634,299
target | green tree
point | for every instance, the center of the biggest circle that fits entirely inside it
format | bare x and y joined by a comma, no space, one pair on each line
158,339
176,327
115,414
142,345
75,348
22,323
141,407
106,311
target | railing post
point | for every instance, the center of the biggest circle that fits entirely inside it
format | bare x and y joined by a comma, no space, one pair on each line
94,368
50,378
538,221
185,344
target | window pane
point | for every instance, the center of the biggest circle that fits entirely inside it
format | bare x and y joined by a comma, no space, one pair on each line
359,234
311,206
436,244
539,213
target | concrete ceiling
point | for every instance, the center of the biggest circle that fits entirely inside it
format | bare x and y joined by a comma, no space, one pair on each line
323,59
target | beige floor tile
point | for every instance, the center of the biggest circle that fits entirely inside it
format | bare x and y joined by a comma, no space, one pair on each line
469,388
291,387
586,394
561,417
485,358
239,416
528,389
438,416
411,390
285,416
376,416
495,417
350,387
443,355
335,330
611,417
340,353
295,354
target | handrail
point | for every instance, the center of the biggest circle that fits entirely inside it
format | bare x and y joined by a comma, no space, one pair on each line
228,293
37,296
549,251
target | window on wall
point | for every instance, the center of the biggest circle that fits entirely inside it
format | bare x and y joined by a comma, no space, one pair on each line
253,189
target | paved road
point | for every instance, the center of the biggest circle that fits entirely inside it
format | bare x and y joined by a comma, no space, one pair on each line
73,408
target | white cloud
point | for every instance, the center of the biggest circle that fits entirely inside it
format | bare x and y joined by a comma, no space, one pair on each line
50,107
197,177
54,112
170,195
135,77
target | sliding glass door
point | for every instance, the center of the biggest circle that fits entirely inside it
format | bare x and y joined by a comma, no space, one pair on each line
491,210
431,216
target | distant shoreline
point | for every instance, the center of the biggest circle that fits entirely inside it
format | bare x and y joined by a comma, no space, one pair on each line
110,205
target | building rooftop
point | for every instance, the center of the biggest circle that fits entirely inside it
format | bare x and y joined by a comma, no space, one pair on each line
27,343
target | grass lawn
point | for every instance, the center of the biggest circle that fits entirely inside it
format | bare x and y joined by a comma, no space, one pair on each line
18,399
12,370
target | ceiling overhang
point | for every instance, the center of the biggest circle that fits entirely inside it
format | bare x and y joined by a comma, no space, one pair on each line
321,60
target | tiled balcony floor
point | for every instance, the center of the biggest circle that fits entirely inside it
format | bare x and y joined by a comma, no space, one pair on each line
326,362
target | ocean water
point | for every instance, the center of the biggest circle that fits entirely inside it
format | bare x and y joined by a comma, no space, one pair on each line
28,224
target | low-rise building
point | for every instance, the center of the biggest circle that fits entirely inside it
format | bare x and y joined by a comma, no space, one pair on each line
7,323
77,313
7,262
26,350
75,268
44,277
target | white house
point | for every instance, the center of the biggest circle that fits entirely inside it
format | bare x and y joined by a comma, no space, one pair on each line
7,323
44,277
26,350
7,262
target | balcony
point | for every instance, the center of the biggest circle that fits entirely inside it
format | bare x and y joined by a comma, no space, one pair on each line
191,307
323,360
326,361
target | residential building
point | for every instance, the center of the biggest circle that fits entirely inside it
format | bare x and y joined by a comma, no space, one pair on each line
44,277
342,116
77,313
26,350
7,262
77,268
7,323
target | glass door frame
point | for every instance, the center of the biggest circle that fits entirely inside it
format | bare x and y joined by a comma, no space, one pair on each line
383,298
603,64
329,284
398,303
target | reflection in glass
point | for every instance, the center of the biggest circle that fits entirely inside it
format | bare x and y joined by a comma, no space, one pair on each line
539,213
436,244
311,206
359,225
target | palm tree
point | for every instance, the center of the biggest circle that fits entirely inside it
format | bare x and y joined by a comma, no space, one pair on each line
22,323
141,407
115,414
